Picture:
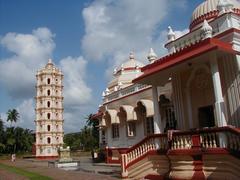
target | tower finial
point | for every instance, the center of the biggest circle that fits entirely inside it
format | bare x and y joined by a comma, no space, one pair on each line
206,30
131,56
151,56
171,35
49,61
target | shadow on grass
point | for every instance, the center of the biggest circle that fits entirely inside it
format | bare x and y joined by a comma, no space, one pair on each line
30,175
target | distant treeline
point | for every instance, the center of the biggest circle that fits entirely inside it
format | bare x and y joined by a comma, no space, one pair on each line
87,139
14,139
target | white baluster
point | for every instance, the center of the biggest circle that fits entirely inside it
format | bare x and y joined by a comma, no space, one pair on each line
181,142
214,141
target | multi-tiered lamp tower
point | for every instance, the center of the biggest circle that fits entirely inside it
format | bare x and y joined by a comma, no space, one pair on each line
49,111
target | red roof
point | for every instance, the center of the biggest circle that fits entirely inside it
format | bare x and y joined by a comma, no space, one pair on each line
184,55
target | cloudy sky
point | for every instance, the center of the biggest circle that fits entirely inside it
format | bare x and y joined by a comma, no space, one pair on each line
86,39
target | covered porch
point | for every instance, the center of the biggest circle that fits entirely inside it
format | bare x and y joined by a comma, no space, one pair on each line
205,85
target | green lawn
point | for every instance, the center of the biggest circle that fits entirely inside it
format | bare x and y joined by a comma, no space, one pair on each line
30,175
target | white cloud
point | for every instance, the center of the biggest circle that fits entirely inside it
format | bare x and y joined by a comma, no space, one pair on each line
30,51
114,28
181,33
27,114
76,91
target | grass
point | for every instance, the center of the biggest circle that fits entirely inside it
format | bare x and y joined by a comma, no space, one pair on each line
28,174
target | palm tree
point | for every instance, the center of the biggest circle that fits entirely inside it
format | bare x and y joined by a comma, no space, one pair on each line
89,119
12,116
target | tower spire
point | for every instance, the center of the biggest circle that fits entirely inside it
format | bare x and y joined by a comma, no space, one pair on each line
151,56
131,56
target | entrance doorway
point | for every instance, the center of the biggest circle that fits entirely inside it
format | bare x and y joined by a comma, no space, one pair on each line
206,116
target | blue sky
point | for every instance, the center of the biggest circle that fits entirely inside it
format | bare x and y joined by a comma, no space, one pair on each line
86,39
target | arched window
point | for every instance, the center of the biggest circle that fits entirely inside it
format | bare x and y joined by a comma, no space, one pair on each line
49,140
48,92
48,80
48,104
48,128
48,115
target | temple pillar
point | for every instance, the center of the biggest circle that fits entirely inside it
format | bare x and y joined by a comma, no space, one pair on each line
220,110
238,61
178,101
189,108
219,100
100,136
157,116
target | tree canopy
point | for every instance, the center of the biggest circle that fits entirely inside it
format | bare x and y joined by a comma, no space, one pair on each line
15,139
86,139
12,116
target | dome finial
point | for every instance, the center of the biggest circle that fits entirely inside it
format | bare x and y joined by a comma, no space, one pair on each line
131,56
171,35
151,56
103,94
107,91
206,30
49,61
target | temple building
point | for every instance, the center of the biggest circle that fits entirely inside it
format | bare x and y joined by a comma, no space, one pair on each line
128,108
179,118
49,111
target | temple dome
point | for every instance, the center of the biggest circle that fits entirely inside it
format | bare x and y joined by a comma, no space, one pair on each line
124,74
208,10
131,63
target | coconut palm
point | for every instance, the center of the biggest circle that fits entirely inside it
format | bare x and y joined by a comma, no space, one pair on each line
12,116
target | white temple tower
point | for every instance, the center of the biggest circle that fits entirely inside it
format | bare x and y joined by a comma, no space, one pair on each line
49,111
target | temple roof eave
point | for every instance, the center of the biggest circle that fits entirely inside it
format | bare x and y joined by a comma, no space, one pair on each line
185,54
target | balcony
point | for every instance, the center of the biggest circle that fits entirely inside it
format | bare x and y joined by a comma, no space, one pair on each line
124,92
196,143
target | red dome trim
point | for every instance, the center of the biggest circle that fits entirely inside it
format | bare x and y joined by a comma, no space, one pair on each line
208,16
200,19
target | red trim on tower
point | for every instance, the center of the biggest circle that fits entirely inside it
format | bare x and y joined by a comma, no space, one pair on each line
184,55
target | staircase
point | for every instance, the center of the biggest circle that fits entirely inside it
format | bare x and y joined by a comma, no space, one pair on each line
211,153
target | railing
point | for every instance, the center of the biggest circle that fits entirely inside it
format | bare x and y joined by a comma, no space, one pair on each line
124,92
199,140
194,37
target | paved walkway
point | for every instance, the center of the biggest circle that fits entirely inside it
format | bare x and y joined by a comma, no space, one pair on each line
5,175
42,168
